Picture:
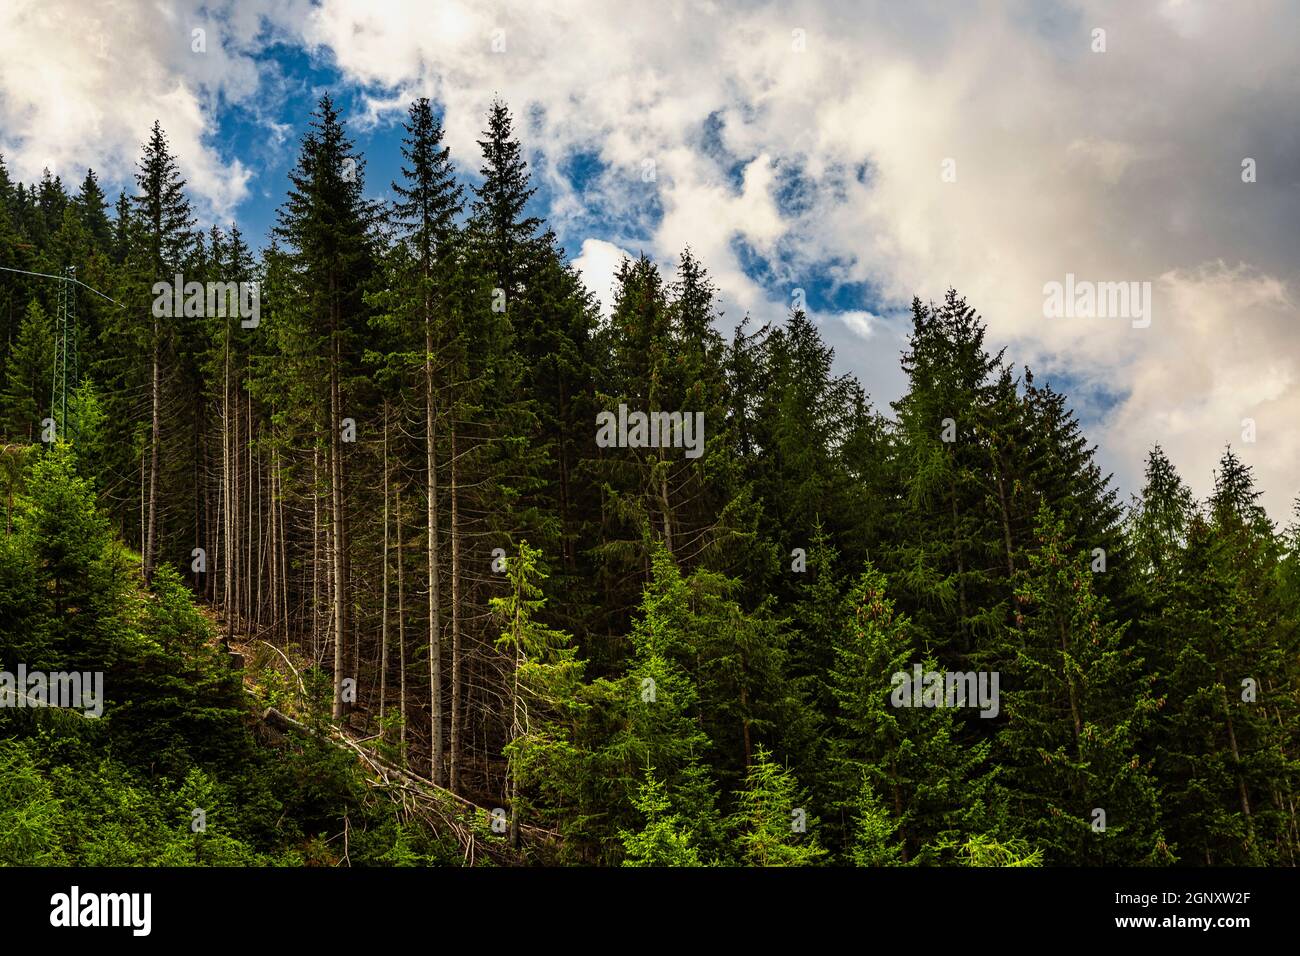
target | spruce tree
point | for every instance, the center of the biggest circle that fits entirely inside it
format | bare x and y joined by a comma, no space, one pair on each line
665,839
92,208
543,676
1077,703
425,211
947,552
29,373
165,223
772,826
327,224
653,712
936,789
1224,747
500,201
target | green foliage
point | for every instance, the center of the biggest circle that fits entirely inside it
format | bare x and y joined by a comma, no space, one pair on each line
122,790
771,824
1079,705
935,785
875,840
981,850
667,622
29,374
665,840
30,814
545,681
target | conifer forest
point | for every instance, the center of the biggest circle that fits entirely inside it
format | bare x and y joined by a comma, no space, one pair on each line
374,534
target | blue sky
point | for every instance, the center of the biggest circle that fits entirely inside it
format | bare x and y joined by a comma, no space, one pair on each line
303,77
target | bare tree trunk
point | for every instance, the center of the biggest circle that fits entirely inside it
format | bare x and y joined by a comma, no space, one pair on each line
261,541
211,518
327,576
284,548
1241,781
236,512
249,610
401,625
217,558
155,431
228,549
455,618
664,504
383,623
268,557
516,726
144,455
435,643
315,553
961,571
336,497
1006,523
200,492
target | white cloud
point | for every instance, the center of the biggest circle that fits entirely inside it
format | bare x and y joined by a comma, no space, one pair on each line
1110,166
861,324
1218,363
598,265
81,85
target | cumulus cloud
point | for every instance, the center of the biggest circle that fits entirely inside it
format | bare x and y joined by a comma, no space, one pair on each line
1220,374
598,265
813,138
861,324
81,85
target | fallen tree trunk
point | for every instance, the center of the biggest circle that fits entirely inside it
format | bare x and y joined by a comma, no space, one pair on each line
441,809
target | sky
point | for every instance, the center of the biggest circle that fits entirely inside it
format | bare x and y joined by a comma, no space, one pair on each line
848,153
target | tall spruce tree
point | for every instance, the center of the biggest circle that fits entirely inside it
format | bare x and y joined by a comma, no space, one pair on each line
429,200
92,208
327,225
507,235
165,223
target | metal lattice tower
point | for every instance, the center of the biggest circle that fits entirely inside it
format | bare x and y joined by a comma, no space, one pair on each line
65,353
65,340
